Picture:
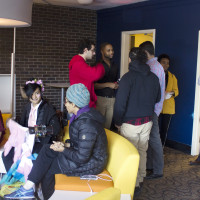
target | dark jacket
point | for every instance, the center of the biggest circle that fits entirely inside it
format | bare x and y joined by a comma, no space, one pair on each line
88,151
139,90
46,116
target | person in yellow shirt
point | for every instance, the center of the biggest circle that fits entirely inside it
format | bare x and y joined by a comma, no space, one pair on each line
171,92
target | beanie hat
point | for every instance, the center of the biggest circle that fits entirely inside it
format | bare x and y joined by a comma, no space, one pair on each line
78,94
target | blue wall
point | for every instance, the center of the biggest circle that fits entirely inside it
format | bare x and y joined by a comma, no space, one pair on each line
177,24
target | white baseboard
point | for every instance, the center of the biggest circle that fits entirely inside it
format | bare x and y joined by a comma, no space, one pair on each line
63,195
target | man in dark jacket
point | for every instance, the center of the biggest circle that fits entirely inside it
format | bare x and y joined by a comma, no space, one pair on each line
85,154
138,92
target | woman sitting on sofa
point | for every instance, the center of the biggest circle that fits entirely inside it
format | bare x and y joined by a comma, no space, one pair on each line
85,154
36,112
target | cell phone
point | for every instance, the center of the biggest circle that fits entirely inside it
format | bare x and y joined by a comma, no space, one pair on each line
89,177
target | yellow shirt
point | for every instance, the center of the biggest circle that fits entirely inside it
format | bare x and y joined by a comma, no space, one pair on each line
172,86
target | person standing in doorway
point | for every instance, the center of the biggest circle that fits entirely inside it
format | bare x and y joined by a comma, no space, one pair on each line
155,161
81,72
171,92
105,88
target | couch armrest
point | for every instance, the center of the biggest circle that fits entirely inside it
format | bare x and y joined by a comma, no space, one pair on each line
123,162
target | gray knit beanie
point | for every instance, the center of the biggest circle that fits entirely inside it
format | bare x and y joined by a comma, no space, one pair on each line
78,94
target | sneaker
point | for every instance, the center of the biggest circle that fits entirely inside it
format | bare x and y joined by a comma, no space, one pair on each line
153,176
21,193
137,191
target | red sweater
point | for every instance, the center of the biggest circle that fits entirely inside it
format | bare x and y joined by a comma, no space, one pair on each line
81,72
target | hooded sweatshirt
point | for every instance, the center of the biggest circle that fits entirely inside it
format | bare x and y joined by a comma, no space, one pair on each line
139,90
81,72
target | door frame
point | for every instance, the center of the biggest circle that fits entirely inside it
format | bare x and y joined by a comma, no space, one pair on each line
125,46
196,121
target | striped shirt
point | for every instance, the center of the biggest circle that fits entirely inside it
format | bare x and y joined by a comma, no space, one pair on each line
157,69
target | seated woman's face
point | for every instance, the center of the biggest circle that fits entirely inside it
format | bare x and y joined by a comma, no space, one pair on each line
36,97
69,106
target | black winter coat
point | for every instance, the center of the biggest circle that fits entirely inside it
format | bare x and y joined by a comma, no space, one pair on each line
88,151
46,116
139,91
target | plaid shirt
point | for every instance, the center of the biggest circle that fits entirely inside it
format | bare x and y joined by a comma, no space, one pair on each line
139,121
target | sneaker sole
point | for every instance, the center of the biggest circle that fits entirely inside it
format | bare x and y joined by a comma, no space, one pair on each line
20,197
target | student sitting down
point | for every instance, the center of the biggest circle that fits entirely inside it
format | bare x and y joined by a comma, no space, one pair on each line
86,152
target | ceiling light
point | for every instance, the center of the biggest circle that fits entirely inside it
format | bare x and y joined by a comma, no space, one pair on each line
85,1
15,13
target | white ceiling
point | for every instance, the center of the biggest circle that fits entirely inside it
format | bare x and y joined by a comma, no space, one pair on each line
96,5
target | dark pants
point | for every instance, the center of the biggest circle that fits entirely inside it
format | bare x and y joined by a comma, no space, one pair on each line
155,159
8,160
44,170
164,122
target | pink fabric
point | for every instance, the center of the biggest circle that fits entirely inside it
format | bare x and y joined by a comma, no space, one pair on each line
32,117
16,139
25,167
81,72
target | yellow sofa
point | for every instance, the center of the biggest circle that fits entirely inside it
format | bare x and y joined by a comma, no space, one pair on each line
122,164
5,116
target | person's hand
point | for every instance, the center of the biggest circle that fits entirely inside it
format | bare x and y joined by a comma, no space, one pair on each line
116,85
57,146
118,127
67,144
113,85
168,95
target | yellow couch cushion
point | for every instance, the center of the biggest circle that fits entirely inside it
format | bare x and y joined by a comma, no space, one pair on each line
107,194
72,183
5,116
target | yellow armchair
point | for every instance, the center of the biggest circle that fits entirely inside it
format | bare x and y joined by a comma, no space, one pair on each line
123,163
5,116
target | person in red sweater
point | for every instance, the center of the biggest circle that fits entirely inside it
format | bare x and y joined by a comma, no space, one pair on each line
81,72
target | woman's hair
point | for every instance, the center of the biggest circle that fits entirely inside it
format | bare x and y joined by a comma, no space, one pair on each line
137,53
31,85
160,57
